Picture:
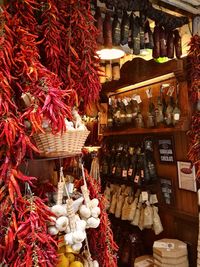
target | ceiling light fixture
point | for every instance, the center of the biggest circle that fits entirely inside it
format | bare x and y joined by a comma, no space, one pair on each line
110,53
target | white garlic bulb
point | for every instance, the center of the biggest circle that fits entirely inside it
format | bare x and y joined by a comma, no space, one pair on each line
93,222
59,210
61,223
68,230
77,203
77,246
84,211
53,220
94,202
81,225
69,239
52,230
95,212
79,236
95,264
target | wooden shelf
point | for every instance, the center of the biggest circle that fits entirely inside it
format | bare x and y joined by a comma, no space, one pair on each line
144,131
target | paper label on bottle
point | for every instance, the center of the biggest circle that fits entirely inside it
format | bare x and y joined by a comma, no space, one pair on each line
128,115
117,114
125,101
145,196
142,173
136,179
149,92
124,173
113,170
158,244
130,172
170,91
146,37
176,116
138,99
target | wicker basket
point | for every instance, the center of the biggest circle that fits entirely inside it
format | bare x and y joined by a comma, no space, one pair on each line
60,145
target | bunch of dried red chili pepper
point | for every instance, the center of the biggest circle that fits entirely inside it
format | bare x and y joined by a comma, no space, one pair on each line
47,98
77,46
16,249
194,133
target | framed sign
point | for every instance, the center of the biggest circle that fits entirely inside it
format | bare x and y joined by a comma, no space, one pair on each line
166,149
167,191
186,176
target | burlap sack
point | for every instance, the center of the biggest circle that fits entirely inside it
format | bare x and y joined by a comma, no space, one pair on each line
136,217
141,220
107,195
113,203
119,205
148,216
157,225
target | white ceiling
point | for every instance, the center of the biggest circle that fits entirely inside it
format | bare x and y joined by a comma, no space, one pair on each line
191,6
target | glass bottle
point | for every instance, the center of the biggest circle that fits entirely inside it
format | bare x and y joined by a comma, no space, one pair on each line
139,120
117,113
151,115
105,162
169,112
135,109
122,113
125,163
128,106
118,162
176,113
159,118
112,166
132,163
110,114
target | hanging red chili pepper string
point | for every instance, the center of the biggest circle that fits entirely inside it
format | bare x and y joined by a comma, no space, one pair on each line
194,133
79,64
50,30
47,98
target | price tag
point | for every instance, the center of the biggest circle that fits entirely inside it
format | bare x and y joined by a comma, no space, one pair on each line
145,196
176,116
124,173
138,99
130,172
170,91
149,93
125,101
136,179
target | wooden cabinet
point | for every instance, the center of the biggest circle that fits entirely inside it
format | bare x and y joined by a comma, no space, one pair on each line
180,220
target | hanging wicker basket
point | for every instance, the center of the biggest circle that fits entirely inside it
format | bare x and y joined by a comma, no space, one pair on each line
60,145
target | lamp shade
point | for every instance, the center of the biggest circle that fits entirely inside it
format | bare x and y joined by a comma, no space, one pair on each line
110,53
